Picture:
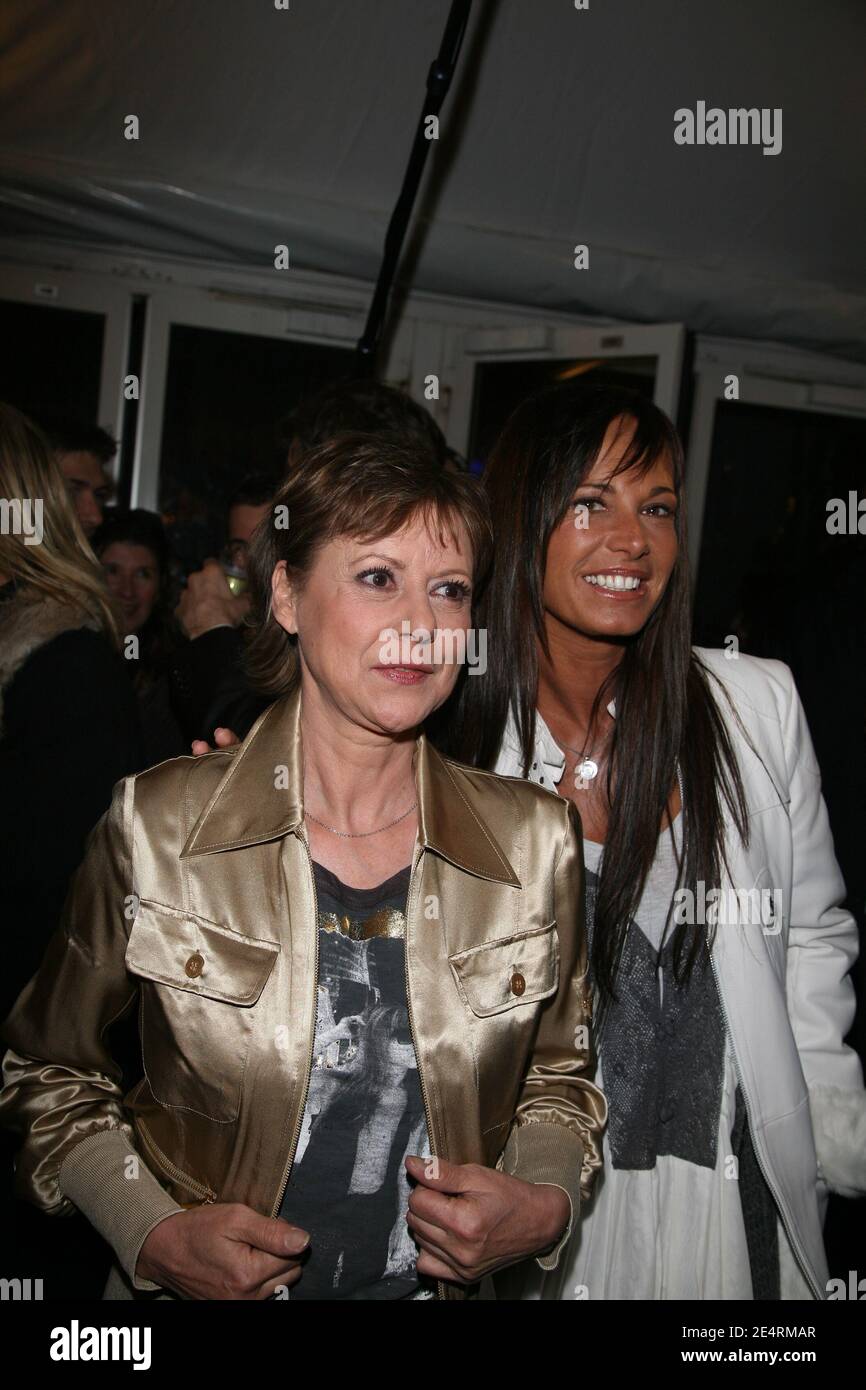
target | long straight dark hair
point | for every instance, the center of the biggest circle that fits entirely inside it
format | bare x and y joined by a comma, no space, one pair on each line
666,716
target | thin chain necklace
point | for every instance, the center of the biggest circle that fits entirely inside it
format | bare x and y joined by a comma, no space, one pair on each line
360,834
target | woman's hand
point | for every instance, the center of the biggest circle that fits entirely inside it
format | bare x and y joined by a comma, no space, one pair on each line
471,1220
222,1250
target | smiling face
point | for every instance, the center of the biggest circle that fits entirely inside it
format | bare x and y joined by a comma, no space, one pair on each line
611,557
132,575
349,615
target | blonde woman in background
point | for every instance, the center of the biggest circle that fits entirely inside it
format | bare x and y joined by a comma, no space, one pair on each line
68,723
68,732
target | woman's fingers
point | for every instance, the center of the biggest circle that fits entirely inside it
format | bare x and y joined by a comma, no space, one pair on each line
436,1268
433,1235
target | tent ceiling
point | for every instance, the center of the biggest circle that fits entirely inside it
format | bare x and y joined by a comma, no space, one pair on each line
260,126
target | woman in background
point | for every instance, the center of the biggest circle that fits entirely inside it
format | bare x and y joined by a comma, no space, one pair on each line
68,723
68,731
135,557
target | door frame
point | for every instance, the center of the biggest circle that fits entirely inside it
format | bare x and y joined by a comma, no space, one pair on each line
550,339
91,294
767,374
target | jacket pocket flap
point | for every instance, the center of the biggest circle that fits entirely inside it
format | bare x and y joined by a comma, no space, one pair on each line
187,952
500,975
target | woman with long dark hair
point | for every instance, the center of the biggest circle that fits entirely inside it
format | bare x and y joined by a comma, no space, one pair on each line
719,952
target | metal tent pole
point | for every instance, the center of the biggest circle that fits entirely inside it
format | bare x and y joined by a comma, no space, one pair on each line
438,82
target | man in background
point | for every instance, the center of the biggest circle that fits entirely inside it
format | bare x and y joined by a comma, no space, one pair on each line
206,673
83,453
207,601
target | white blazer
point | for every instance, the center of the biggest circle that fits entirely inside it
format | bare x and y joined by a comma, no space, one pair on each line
785,985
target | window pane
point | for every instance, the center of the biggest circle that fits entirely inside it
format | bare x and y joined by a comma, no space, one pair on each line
51,359
226,394
772,575
500,386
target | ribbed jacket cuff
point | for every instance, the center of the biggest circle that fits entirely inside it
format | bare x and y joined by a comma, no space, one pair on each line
546,1153
121,1199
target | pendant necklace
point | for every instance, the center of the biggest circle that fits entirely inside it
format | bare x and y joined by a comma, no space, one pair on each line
585,770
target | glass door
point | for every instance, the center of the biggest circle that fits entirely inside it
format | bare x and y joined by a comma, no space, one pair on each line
221,370
497,368
63,344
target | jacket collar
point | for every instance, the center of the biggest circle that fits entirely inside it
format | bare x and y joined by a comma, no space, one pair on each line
547,750
260,798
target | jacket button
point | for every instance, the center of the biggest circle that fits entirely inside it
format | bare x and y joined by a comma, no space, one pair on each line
195,965
518,984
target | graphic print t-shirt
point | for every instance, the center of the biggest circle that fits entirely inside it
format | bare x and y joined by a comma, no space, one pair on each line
364,1110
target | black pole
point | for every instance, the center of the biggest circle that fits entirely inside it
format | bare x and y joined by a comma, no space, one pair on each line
438,82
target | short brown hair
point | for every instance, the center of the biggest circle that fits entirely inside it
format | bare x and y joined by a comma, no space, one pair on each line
353,485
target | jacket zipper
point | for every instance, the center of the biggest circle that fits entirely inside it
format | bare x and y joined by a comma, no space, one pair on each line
298,1123
440,1287
205,1193
786,1222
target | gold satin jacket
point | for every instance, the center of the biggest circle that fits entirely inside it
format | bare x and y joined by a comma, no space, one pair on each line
196,896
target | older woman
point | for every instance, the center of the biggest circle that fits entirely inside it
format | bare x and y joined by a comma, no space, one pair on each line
359,966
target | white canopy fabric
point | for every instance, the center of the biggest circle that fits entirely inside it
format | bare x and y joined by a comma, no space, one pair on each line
260,126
